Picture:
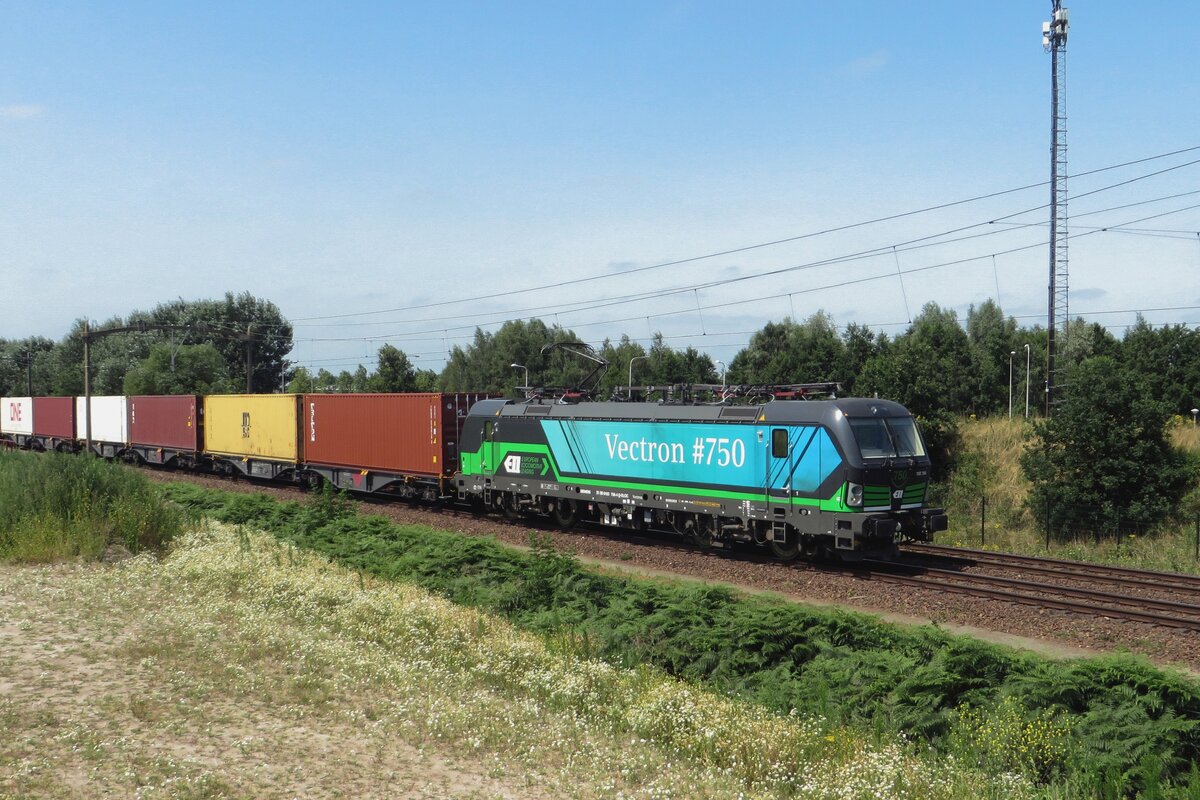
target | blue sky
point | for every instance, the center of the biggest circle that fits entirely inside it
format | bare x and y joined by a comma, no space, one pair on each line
381,156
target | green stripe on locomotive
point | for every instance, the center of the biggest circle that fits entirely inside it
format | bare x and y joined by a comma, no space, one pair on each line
473,465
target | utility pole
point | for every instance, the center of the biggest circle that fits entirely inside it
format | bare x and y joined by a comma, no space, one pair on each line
87,386
249,362
29,372
1054,40
88,336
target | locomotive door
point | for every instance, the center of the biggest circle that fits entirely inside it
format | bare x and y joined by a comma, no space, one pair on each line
782,540
487,462
779,468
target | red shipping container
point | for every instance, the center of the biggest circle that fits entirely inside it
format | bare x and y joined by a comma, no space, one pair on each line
54,417
170,422
409,434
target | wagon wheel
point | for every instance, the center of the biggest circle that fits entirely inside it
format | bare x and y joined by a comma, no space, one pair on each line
565,514
788,549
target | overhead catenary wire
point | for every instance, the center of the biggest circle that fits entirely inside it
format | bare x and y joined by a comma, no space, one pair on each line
931,240
771,243
840,284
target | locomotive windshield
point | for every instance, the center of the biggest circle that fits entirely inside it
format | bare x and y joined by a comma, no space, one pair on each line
887,437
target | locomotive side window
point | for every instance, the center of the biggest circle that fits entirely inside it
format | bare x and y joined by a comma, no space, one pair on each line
488,427
779,443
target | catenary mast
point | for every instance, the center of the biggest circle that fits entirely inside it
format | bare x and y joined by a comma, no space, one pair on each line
1054,40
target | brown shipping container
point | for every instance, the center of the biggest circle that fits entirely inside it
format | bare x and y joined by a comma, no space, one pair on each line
54,416
411,434
169,421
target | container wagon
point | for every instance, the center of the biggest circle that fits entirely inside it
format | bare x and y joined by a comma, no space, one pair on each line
253,434
54,423
403,444
16,421
166,430
109,424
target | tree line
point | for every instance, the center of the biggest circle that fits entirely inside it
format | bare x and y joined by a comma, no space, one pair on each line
939,365
1104,449
189,347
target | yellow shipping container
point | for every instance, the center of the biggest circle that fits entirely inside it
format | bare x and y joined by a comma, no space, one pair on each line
252,426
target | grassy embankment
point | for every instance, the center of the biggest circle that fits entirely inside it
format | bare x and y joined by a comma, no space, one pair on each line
989,466
238,649
776,700
250,668
1079,729
55,507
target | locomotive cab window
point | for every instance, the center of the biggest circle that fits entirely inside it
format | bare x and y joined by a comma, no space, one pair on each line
488,427
779,443
889,437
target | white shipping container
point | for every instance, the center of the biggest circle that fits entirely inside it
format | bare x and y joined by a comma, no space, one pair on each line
16,415
110,419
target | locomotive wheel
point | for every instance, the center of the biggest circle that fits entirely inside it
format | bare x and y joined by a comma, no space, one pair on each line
787,550
701,534
511,510
565,514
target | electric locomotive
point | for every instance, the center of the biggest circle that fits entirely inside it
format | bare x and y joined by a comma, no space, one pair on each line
842,477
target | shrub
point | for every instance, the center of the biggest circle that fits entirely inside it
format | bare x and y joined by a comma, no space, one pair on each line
1104,458
55,506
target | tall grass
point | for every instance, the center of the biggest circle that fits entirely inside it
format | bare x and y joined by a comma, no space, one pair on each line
1099,726
985,499
55,507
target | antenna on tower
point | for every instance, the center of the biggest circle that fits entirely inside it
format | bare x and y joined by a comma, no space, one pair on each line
1054,40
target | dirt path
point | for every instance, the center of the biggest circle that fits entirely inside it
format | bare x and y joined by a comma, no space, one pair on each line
94,703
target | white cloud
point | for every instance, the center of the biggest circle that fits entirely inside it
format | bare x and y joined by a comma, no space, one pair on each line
22,111
868,63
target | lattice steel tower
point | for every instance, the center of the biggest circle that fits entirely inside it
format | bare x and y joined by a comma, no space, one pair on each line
1054,40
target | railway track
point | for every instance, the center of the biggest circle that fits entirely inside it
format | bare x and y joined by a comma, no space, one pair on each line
1113,575
1056,590
1178,615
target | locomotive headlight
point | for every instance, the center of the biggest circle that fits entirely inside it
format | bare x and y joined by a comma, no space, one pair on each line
854,494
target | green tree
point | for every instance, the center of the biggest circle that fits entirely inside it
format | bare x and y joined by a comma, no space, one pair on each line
1105,454
993,348
791,352
14,374
667,366
929,369
860,345
393,373
1168,358
303,381
181,369
426,380
619,356
485,365
233,325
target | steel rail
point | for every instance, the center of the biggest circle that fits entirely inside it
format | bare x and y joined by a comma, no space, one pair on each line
1116,574
1074,606
1065,591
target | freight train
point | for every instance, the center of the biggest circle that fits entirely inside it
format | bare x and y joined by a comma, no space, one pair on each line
840,477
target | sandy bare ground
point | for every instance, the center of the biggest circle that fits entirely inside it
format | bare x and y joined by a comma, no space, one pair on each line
95,701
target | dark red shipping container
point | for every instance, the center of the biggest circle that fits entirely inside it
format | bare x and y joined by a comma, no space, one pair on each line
54,417
409,434
170,422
